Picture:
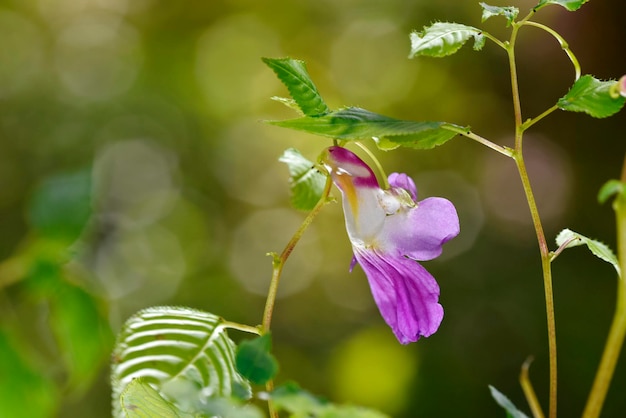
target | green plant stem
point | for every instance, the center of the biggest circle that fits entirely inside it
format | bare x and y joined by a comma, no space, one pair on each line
471,135
617,332
242,327
541,239
547,280
278,261
531,122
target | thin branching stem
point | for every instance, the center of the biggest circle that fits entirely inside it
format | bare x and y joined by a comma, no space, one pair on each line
532,205
495,40
278,261
531,122
471,135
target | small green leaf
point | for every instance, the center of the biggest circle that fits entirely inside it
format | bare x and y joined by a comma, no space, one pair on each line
610,188
295,77
593,97
569,238
510,13
140,400
571,5
255,361
354,123
504,402
307,184
441,39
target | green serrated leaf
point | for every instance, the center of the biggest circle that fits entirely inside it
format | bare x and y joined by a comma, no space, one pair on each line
510,13
176,346
571,5
354,123
569,238
442,39
504,402
433,134
610,188
255,361
593,97
307,184
140,400
295,77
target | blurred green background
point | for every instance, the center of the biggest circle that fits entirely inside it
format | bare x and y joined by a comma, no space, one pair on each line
141,120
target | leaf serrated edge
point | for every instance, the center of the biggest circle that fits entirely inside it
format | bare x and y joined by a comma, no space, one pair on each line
568,238
278,64
479,39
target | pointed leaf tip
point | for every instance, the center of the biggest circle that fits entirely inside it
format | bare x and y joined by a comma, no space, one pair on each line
571,5
506,403
294,75
569,238
592,96
510,13
442,39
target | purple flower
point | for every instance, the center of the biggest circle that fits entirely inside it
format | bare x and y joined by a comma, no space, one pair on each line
389,231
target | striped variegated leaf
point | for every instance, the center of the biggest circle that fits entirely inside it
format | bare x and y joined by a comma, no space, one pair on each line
185,354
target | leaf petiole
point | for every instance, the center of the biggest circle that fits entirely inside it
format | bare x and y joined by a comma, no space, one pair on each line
562,42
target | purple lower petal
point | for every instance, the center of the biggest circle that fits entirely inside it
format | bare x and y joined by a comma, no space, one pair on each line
406,294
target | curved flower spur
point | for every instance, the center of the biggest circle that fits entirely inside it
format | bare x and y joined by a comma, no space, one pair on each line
390,231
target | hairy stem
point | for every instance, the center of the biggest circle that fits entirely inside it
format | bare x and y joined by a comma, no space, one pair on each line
617,332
